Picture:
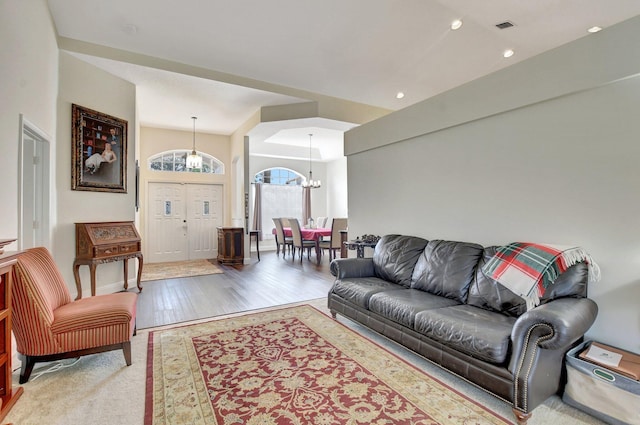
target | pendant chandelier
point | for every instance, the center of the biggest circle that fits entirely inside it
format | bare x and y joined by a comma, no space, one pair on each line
310,182
194,161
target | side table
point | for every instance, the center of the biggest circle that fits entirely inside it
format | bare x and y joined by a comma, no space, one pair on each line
359,246
230,245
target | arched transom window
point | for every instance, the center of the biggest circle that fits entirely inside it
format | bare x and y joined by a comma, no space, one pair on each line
176,161
279,176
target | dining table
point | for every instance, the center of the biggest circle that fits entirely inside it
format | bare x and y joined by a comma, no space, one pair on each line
314,234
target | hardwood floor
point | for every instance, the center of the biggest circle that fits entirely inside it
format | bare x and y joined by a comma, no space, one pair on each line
266,283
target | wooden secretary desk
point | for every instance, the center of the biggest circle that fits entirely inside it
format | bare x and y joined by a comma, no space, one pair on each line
98,243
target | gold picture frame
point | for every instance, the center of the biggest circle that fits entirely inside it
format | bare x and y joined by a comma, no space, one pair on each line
99,151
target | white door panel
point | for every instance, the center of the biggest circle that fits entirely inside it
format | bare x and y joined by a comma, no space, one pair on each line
167,236
204,214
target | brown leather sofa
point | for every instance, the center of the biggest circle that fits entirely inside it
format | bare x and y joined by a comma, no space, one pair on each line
432,297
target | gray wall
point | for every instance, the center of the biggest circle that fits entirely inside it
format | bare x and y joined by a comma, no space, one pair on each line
544,151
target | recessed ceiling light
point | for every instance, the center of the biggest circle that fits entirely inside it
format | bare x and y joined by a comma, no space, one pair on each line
399,95
508,53
455,25
594,29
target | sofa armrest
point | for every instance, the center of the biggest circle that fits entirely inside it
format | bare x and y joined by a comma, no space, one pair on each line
343,268
540,339
568,319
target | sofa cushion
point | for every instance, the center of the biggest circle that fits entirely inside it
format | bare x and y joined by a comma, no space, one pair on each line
489,294
446,268
359,290
477,332
395,257
402,305
572,283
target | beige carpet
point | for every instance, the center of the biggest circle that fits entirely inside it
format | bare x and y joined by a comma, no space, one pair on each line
101,390
157,271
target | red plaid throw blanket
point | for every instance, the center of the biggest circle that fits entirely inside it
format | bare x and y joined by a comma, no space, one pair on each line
527,269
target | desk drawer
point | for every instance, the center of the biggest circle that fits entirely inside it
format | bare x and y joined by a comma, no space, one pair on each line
126,248
106,250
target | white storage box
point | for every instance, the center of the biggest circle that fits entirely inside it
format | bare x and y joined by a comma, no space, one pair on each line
601,392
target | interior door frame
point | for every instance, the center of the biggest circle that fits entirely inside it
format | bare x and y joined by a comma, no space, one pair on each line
27,127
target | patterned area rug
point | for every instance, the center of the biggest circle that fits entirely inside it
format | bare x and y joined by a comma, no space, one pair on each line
157,271
291,366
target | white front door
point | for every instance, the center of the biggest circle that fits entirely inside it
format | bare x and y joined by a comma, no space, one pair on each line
204,214
182,219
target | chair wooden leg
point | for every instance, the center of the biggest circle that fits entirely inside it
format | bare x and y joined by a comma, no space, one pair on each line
27,367
126,349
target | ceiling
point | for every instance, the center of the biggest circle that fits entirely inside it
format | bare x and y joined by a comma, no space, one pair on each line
364,51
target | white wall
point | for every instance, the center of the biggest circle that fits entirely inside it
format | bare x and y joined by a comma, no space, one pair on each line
88,86
29,86
337,193
551,156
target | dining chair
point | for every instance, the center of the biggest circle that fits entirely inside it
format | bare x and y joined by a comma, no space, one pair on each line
298,242
321,222
333,243
281,239
49,326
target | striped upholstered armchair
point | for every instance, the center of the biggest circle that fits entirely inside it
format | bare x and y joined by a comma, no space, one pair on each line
49,326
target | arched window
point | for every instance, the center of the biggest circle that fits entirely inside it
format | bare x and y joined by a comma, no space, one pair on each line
176,161
279,176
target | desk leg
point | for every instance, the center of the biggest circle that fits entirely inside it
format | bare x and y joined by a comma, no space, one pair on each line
139,272
126,273
258,246
76,276
92,268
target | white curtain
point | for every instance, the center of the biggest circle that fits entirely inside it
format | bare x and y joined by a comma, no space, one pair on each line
279,201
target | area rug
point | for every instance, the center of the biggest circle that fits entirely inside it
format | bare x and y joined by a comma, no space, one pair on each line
291,366
172,270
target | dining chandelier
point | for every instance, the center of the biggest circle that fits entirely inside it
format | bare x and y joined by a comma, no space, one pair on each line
194,161
310,182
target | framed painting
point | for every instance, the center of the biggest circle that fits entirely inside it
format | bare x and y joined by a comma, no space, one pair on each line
99,153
